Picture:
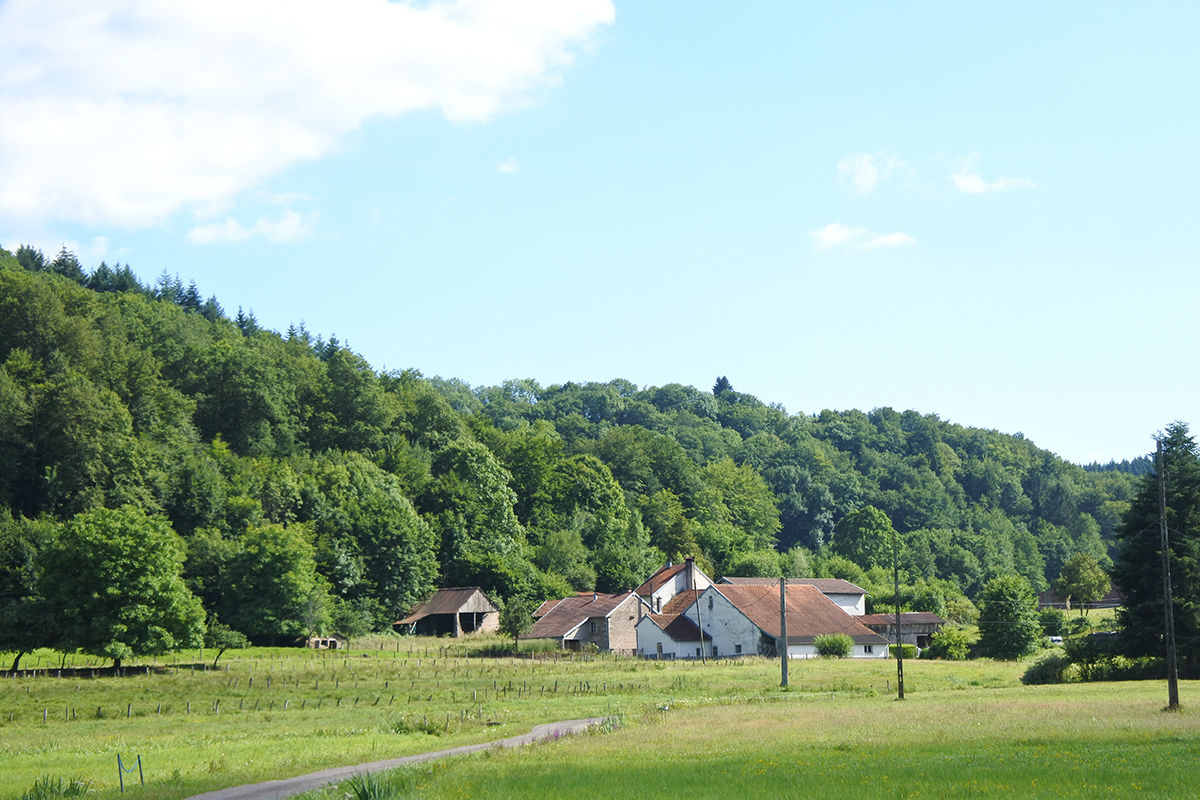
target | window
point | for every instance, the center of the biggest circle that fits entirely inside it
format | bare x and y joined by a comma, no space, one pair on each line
592,625
710,602
737,648
697,652
714,651
868,648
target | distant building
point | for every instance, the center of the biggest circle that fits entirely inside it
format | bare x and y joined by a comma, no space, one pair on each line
734,620
607,621
848,597
451,612
667,582
916,627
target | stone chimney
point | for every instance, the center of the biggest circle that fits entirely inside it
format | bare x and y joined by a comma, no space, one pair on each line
690,569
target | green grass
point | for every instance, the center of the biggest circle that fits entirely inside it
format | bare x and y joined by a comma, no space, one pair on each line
1107,740
705,723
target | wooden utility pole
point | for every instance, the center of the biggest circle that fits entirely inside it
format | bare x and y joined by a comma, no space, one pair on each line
899,642
1168,603
783,653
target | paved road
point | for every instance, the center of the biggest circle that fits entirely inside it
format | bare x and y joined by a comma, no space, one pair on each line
273,790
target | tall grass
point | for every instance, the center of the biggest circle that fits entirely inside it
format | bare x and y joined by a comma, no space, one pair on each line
272,713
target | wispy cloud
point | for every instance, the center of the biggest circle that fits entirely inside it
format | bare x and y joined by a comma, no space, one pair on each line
968,181
508,166
126,112
290,226
837,235
863,172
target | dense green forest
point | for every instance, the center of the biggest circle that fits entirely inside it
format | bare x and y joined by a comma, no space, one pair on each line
302,489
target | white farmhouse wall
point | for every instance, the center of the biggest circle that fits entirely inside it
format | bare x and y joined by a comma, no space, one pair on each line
732,633
650,638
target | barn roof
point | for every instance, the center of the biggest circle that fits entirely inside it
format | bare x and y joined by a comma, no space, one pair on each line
451,601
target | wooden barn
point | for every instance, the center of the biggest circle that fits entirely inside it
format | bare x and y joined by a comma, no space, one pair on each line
451,612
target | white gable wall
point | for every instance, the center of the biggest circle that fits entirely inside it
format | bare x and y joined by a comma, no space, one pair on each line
731,631
853,604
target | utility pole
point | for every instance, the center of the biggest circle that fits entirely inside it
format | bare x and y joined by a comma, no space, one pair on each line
783,653
1168,603
899,642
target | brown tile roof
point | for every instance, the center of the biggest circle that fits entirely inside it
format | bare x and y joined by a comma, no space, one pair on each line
447,601
826,585
659,579
571,612
679,627
809,613
906,618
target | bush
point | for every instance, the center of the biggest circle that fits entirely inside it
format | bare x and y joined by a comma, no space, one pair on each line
909,650
952,644
1050,667
834,645
1052,620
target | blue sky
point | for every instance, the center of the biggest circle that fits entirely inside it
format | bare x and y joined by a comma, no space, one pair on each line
985,214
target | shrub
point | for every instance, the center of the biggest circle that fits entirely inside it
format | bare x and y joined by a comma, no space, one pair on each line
909,650
49,787
1050,667
834,645
952,644
1052,620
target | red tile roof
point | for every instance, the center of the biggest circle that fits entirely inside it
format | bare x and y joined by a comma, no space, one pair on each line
660,578
826,585
571,612
809,613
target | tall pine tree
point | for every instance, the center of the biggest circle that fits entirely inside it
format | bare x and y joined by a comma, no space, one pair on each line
1137,569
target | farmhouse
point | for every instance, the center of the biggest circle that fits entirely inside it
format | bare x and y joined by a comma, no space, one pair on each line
606,620
733,620
662,586
916,627
848,597
451,612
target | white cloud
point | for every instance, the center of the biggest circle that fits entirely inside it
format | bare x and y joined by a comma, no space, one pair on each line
508,166
124,112
864,171
968,181
289,226
835,234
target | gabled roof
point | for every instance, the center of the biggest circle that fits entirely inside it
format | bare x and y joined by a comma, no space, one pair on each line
906,618
809,613
660,579
451,601
826,585
569,613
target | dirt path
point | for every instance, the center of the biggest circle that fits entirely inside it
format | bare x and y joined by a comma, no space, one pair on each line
272,790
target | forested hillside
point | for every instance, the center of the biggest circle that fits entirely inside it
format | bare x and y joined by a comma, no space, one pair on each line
309,490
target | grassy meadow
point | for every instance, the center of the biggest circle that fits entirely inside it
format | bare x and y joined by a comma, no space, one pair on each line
966,729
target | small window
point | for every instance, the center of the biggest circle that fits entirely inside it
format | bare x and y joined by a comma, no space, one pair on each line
710,602
868,648
737,648
592,625
697,652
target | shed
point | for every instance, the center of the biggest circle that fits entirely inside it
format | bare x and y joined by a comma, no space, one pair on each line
451,612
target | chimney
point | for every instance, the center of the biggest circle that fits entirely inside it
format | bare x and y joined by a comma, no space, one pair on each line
690,569
595,596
